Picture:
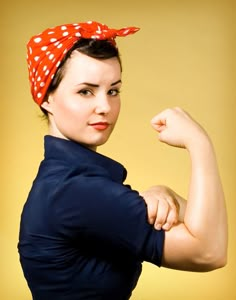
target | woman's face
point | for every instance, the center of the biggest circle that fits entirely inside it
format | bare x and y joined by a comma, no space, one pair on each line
85,106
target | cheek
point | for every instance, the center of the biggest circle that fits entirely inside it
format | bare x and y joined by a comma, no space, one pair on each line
66,108
117,109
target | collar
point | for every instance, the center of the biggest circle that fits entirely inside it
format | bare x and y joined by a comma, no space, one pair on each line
74,153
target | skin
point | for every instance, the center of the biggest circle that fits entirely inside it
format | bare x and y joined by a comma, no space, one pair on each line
85,108
164,206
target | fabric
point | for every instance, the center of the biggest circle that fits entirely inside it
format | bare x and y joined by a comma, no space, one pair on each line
46,50
84,234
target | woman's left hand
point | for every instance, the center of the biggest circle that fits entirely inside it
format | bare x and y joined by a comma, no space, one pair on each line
162,207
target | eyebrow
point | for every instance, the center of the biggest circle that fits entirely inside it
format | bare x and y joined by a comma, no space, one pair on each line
97,85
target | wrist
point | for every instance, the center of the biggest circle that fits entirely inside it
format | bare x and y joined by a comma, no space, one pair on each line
199,143
202,154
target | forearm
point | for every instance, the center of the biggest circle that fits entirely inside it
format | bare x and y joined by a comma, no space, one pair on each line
205,215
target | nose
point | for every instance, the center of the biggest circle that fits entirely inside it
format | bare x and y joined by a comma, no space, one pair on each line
102,105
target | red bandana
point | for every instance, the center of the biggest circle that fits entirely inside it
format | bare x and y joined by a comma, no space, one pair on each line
47,49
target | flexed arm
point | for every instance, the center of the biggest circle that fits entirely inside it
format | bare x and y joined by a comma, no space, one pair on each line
199,243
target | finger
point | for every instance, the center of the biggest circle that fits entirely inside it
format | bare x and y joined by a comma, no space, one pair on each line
173,213
160,118
151,206
152,212
162,214
174,205
158,122
178,109
171,219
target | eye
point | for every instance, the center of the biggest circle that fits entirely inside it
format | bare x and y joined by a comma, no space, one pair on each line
85,92
114,92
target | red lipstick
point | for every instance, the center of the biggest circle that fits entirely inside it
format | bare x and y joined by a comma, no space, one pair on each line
100,125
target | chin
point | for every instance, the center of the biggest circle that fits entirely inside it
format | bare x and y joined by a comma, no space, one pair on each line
101,141
93,146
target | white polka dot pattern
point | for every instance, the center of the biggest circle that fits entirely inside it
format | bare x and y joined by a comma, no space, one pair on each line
47,49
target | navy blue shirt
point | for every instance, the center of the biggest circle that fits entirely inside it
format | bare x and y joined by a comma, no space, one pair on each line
84,233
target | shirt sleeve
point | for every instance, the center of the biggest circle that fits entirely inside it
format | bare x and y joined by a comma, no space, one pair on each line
107,218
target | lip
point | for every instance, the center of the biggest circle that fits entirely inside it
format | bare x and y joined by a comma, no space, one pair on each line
99,125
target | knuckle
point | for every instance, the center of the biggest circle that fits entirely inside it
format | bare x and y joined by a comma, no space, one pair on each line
151,220
160,220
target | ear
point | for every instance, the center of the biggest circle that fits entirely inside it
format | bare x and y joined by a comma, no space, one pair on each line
47,105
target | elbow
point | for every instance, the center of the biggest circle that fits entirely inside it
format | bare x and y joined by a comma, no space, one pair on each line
217,263
220,261
210,261
212,254
223,262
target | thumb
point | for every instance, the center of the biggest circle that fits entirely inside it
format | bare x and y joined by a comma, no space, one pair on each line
158,123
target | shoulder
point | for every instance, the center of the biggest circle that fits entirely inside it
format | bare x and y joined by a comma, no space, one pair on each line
94,186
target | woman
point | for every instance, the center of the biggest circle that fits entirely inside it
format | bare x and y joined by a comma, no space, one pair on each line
84,234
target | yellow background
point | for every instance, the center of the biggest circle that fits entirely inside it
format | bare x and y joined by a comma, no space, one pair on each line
183,56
